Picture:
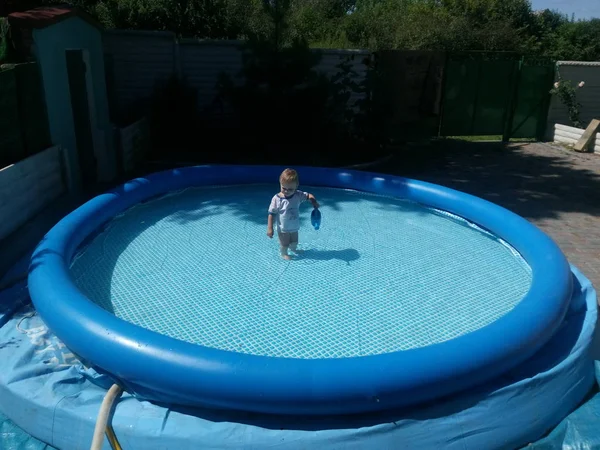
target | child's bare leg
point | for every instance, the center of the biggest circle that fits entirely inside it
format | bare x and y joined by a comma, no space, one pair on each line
284,253
294,242
284,242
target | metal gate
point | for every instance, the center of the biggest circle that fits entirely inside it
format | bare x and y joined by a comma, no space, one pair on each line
530,109
495,94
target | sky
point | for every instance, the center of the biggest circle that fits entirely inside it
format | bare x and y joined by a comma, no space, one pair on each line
583,9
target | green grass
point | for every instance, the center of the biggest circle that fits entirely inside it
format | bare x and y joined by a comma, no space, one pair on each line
490,138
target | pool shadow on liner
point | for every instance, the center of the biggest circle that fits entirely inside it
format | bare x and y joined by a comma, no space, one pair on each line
347,255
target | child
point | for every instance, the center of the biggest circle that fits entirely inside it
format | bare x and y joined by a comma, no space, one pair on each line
285,206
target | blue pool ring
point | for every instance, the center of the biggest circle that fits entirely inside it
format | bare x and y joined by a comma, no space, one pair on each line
163,369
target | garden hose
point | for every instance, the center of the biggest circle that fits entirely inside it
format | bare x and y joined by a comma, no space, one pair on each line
102,422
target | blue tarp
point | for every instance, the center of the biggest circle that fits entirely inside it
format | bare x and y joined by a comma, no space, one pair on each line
47,391
14,438
580,430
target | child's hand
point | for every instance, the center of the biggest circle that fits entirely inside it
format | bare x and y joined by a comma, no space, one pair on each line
270,232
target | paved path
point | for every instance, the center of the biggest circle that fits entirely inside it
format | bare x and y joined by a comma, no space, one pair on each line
556,189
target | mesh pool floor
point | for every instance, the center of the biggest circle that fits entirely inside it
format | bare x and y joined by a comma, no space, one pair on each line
381,275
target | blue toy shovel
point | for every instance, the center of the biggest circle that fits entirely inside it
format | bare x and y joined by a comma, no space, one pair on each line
315,218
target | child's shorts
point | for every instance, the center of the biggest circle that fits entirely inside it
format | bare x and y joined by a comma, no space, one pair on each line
286,239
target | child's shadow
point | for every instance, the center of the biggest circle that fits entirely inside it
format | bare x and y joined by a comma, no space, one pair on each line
346,255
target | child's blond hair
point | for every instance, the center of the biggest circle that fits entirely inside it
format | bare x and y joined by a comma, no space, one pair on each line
289,176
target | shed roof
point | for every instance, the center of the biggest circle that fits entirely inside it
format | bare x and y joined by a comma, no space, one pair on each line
46,16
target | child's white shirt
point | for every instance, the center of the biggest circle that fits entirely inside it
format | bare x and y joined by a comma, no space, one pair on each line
287,211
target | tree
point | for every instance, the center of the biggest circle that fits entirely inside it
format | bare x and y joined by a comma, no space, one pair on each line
579,41
451,25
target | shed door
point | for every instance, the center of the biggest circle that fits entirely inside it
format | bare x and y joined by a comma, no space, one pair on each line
76,70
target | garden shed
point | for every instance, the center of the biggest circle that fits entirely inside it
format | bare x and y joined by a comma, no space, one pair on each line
67,43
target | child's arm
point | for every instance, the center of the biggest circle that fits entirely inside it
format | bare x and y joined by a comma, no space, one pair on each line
270,226
273,209
313,200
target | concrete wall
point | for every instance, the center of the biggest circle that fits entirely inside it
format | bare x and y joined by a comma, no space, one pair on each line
570,135
134,143
141,59
138,60
203,61
332,58
588,96
50,46
28,186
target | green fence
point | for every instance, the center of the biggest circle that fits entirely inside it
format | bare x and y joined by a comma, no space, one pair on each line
496,95
530,113
23,118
